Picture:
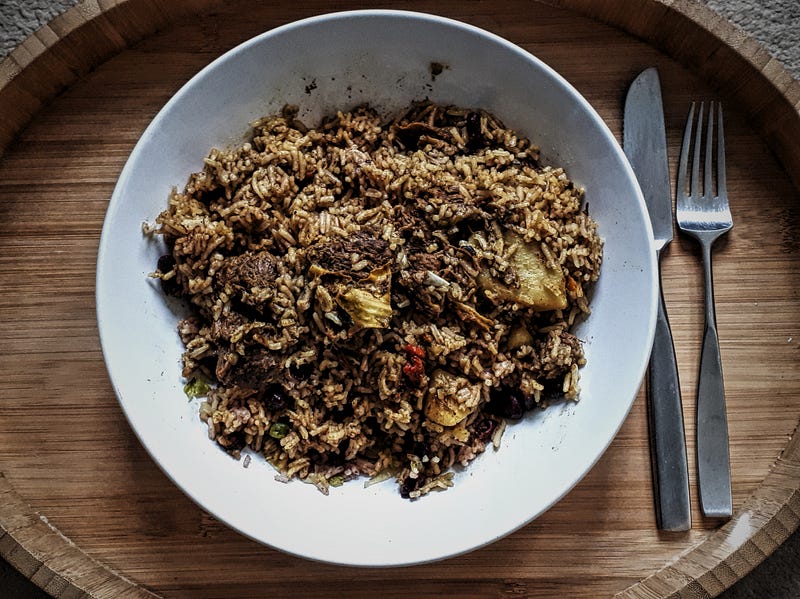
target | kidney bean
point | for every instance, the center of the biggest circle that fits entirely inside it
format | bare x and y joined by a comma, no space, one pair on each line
506,403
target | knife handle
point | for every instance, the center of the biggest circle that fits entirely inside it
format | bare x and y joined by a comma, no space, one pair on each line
667,435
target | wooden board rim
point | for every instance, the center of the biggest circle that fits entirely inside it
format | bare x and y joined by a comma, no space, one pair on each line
58,54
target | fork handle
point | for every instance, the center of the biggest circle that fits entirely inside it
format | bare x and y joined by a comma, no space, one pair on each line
713,459
667,435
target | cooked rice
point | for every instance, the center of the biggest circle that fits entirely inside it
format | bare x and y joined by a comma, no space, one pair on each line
334,276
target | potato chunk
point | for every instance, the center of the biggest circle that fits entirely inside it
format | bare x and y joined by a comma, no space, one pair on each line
368,302
450,398
540,287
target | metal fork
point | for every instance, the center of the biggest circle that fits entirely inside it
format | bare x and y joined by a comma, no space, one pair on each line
706,216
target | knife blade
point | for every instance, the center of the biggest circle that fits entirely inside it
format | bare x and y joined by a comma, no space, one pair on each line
645,145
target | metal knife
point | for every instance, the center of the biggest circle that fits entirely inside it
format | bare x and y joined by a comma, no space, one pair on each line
645,145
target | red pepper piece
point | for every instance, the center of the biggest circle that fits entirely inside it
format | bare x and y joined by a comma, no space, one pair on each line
414,350
414,368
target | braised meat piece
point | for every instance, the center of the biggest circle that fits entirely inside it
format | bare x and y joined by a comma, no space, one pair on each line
340,255
247,271
256,370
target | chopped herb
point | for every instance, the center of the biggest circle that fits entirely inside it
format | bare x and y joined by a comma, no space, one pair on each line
336,481
196,388
278,430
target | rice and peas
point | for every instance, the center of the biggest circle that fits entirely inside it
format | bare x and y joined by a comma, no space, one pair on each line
376,297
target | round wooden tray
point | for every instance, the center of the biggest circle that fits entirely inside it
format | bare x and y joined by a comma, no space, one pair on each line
85,511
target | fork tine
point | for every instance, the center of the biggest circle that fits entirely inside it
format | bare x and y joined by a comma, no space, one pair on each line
721,176
708,190
684,160
698,136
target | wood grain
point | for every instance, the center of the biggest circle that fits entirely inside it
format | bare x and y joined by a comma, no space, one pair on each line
84,509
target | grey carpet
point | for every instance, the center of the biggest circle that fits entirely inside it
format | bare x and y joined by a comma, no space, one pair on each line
774,23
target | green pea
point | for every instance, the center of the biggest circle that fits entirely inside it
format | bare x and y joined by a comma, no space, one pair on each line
196,388
278,430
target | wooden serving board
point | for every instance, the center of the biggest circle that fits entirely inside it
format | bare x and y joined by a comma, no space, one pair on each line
84,509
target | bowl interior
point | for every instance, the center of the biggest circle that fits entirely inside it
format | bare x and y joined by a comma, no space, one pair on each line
336,62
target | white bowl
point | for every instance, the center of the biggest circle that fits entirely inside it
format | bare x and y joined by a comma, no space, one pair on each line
338,61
